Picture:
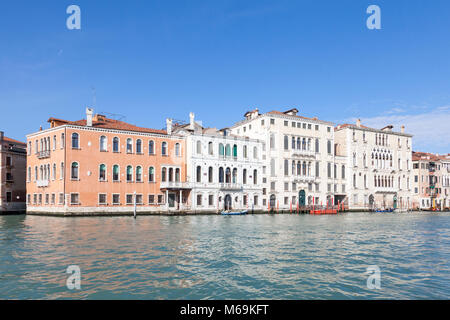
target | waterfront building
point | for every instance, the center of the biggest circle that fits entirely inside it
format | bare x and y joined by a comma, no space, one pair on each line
100,164
298,158
12,174
431,180
378,166
223,170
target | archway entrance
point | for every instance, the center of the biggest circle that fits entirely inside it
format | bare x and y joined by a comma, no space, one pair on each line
301,198
395,201
227,202
371,201
272,201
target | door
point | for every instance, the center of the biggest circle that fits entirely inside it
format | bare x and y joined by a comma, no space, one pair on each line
171,200
395,202
227,202
301,198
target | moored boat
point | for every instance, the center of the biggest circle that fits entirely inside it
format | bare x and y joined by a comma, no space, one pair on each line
234,213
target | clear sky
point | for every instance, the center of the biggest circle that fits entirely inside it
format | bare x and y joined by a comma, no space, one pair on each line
149,60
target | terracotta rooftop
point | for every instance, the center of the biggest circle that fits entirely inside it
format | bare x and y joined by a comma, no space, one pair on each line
297,116
350,125
13,141
105,123
416,156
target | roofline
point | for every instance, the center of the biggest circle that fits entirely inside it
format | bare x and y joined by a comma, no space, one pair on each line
354,126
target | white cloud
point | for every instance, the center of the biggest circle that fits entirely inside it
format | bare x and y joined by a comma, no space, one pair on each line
431,129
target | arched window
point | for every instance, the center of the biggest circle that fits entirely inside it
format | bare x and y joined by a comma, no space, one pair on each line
221,150
293,143
329,147
210,148
299,168
244,176
286,142
29,173
255,152
54,171
163,174
138,146
210,174
129,145
103,143
228,150
102,173
228,175
199,174
199,147
177,149
129,174
151,147
272,141
74,171
151,174
234,151
343,171
234,175
62,141
170,174
138,174
116,173
221,175
255,176
244,151
177,175
115,144
317,146
75,141
299,143
164,148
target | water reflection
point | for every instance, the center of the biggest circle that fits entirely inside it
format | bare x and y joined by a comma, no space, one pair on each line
215,257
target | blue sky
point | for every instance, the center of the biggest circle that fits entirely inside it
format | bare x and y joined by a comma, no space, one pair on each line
149,60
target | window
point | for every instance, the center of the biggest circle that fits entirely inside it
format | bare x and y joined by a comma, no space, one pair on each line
177,175
139,199
343,171
129,199
177,150
62,141
227,150
139,146
102,198
235,151
255,152
74,171
221,150
255,176
163,174
221,175
329,147
244,176
199,174
199,147
286,167
8,196
75,141
151,147
244,152
129,174
199,200
151,199
211,200
138,174
115,144
317,145
210,148
210,174
103,144
164,149
160,198
129,145
74,198
286,143
272,141
102,173
116,198
116,173
151,174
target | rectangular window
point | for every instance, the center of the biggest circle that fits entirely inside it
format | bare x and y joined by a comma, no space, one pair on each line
317,127
53,198
199,200
8,196
255,200
286,200
61,198
47,198
286,186
129,198
210,200
74,198
102,198
151,199
160,199
139,199
116,198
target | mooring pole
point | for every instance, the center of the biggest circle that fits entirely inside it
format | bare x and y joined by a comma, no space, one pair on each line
134,194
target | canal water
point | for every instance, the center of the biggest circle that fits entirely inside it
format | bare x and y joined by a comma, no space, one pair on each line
233,257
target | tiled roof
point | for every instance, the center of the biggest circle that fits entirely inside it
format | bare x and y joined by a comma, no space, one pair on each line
425,156
283,113
349,125
13,141
107,123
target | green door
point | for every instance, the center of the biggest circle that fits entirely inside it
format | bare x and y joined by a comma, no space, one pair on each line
301,198
395,202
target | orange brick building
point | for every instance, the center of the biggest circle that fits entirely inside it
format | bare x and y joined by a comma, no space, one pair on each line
104,165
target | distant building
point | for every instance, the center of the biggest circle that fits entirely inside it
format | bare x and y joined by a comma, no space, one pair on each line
104,165
223,170
379,166
431,180
298,158
12,175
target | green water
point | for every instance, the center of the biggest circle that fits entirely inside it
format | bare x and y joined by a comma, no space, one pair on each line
216,257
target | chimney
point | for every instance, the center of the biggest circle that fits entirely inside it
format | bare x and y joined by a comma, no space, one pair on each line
1,135
403,129
89,113
169,126
358,123
191,121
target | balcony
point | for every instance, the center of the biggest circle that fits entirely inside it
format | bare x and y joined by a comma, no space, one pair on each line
385,190
175,185
42,183
299,179
231,186
43,154
299,153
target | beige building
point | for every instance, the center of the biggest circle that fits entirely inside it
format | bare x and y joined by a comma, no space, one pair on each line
379,166
12,175
297,155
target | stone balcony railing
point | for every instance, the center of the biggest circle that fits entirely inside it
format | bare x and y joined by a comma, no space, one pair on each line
385,189
43,154
175,185
299,153
231,186
42,183
298,179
